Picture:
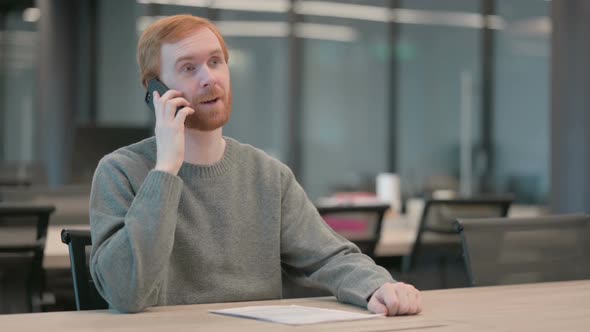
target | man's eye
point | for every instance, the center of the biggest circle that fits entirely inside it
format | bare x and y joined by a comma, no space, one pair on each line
188,68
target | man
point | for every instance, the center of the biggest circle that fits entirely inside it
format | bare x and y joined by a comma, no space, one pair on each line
191,216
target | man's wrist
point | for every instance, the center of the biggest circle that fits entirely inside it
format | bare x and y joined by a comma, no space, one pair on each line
167,169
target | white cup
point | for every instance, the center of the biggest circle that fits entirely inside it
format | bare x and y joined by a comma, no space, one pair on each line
388,189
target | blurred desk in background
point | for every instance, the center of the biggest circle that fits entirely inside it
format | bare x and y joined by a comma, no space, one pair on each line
359,223
398,233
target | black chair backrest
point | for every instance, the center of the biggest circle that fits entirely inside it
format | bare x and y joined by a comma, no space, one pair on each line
23,232
501,251
79,243
370,215
439,216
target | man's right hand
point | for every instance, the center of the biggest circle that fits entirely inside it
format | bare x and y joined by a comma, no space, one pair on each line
170,130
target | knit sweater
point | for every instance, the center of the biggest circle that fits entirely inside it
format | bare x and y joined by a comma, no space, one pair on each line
217,233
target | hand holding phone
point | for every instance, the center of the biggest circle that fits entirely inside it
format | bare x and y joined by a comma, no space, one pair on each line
169,128
156,85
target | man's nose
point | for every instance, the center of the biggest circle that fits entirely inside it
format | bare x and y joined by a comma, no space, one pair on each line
206,77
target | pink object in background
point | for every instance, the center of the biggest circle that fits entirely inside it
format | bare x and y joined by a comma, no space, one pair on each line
340,224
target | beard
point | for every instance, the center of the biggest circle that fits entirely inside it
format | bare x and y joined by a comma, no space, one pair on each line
209,118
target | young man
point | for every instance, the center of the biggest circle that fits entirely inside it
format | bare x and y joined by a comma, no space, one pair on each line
191,216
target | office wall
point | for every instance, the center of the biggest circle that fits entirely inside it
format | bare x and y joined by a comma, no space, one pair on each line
570,115
345,107
119,91
522,95
432,59
18,70
260,77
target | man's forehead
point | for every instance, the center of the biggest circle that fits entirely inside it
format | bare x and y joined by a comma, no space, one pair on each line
199,42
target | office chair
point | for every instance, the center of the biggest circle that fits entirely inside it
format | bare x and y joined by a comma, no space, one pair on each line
361,224
437,237
79,243
23,232
501,251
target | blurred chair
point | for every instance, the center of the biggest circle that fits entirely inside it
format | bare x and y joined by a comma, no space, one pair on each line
80,243
23,232
501,251
437,237
361,224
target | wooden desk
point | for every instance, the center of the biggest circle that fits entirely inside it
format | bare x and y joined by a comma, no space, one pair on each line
551,307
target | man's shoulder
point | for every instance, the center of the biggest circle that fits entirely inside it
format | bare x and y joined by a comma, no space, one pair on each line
250,154
140,154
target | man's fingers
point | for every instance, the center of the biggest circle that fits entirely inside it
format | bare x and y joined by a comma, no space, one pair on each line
419,302
156,101
376,306
171,94
409,299
405,303
413,303
182,114
172,105
392,302
161,103
396,299
415,298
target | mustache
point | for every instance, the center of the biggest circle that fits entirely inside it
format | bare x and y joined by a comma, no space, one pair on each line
208,94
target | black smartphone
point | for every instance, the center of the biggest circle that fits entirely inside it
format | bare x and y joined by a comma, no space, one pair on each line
155,85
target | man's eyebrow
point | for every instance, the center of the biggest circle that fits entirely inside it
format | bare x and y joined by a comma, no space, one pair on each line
216,51
183,58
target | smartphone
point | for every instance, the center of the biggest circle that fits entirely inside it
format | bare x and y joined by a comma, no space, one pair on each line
156,85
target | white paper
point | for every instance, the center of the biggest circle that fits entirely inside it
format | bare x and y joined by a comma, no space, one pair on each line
293,314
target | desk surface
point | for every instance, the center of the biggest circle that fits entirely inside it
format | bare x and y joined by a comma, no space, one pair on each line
563,306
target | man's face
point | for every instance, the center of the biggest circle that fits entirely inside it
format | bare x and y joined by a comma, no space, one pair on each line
196,67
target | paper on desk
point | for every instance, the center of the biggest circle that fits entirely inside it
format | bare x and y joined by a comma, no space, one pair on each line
293,314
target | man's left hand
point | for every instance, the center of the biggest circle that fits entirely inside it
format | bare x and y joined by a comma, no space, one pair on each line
395,299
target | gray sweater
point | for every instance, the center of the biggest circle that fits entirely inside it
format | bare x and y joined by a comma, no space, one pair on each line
218,233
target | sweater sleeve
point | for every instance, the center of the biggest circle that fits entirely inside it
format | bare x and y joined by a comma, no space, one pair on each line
132,233
310,247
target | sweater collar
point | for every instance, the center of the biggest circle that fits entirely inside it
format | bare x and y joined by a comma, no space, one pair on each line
214,170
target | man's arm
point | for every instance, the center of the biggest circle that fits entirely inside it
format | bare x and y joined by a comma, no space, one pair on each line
311,247
132,233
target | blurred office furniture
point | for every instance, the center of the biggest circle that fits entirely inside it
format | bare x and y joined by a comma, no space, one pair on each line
501,251
71,201
23,232
18,174
79,243
437,241
57,256
360,223
92,143
14,182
